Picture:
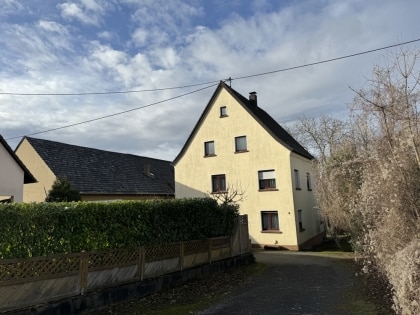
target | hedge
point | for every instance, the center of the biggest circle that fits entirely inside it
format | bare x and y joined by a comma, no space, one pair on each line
40,229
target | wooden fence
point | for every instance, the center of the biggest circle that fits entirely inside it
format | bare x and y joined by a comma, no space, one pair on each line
28,282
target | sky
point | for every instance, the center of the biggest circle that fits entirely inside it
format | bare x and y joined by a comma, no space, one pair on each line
166,57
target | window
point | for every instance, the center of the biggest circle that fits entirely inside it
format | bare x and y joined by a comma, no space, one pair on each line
218,183
308,181
267,179
270,221
209,148
223,111
301,229
240,144
297,180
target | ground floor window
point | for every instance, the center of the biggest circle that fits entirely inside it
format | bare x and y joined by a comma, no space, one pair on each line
218,183
270,221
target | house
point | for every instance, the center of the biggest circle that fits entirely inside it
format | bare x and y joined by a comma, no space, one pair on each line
237,146
98,175
13,174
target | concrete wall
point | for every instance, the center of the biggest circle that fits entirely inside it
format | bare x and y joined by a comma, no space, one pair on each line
193,171
11,176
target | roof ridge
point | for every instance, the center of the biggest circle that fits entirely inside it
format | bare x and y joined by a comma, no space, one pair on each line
96,149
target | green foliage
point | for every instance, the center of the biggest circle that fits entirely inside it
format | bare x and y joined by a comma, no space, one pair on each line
61,191
39,229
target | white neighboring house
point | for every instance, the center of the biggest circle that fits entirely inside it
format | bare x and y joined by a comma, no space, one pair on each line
13,174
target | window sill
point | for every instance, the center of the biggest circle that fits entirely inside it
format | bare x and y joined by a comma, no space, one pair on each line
219,192
309,189
209,155
223,116
242,151
298,188
272,231
302,230
268,189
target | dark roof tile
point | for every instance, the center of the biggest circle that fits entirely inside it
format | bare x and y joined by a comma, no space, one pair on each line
260,115
94,171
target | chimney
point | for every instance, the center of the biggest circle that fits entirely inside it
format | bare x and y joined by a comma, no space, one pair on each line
147,169
253,98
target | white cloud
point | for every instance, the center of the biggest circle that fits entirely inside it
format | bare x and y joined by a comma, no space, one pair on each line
10,6
167,45
139,37
86,11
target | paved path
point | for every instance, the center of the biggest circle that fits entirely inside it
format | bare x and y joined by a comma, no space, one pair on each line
293,284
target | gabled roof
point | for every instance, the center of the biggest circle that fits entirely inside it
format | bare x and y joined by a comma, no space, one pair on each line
265,120
94,171
28,178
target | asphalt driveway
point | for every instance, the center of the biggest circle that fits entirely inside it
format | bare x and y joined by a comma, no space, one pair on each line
297,283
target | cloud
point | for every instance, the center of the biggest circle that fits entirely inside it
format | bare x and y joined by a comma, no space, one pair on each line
85,11
139,45
10,7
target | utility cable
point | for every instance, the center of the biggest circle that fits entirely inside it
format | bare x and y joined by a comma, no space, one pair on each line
115,114
216,81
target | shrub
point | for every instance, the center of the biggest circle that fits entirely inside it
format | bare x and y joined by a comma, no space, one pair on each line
39,229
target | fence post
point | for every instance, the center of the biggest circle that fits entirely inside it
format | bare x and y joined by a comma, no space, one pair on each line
210,249
83,271
181,255
142,262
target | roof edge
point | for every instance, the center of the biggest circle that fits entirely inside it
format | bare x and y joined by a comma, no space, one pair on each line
28,178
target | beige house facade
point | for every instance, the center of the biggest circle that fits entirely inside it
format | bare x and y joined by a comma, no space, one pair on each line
236,145
98,175
13,175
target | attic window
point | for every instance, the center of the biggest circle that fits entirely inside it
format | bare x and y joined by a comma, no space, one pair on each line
223,111
240,144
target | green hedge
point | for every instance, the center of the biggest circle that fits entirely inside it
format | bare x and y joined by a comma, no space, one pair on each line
40,229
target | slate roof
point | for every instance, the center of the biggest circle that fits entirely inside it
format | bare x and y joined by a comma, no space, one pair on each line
28,178
94,171
265,120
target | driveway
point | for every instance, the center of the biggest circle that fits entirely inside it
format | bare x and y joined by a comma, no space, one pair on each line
297,283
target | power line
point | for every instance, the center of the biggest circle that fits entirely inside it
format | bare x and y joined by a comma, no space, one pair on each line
215,81
108,93
327,60
212,83
112,115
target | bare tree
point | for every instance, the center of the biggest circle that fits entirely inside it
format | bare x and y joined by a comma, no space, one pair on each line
368,175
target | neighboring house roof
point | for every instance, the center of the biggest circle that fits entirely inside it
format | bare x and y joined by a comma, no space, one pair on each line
265,120
28,178
94,171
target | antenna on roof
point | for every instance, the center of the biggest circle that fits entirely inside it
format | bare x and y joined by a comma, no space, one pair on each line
230,81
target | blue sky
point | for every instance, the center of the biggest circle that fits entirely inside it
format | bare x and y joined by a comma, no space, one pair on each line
84,46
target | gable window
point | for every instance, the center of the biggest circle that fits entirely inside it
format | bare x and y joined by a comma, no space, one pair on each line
218,183
301,229
297,179
267,180
223,111
308,181
209,148
240,144
270,221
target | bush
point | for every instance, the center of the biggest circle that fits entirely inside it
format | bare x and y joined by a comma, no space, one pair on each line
39,229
